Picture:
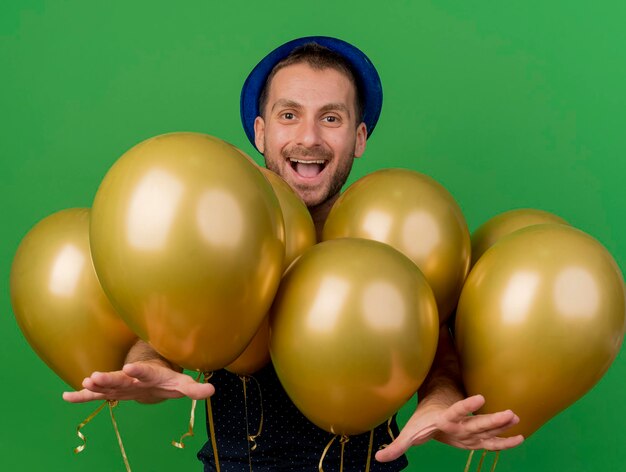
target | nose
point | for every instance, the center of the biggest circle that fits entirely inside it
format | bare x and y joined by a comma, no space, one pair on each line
309,133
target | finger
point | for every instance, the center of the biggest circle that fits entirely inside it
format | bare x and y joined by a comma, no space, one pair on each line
498,431
105,381
82,396
139,370
489,422
499,444
197,391
462,408
495,432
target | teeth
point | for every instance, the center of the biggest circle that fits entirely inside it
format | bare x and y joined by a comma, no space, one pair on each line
321,161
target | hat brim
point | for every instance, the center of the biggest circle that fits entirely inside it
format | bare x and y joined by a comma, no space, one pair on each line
366,76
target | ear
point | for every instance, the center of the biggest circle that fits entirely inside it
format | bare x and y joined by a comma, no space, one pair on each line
361,140
259,134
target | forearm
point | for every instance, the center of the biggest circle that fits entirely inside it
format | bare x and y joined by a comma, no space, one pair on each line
143,352
443,385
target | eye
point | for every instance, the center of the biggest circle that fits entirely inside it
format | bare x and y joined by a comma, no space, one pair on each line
331,119
288,115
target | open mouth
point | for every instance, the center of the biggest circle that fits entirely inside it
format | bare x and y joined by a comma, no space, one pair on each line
308,168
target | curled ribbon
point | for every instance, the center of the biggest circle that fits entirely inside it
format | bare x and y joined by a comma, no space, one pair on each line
111,404
180,444
319,467
391,435
343,440
393,438
81,436
252,437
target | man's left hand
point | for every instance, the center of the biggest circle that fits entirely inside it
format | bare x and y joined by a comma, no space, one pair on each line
455,426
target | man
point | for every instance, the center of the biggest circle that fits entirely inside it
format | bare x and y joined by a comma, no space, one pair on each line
309,108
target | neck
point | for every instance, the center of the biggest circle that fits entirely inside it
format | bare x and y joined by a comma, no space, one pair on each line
319,213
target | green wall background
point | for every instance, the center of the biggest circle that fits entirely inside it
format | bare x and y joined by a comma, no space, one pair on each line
507,104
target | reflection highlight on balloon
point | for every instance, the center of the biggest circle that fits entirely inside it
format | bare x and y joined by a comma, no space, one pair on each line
329,300
66,271
518,296
377,225
220,218
576,293
424,224
380,296
152,207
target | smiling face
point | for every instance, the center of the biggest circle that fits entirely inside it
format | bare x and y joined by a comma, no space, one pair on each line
308,133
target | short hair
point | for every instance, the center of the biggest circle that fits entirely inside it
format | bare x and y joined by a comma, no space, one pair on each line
319,58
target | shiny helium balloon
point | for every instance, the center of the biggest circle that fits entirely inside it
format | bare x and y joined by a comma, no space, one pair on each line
506,223
414,214
299,227
354,330
257,352
540,320
188,242
299,236
59,304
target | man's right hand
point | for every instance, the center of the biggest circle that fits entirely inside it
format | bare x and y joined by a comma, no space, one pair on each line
143,381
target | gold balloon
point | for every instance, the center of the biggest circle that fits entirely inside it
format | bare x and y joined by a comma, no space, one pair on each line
540,320
188,241
257,353
414,214
299,236
354,330
506,223
59,304
299,227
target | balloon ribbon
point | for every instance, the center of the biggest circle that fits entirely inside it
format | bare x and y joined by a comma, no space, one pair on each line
343,441
369,451
252,438
469,461
80,435
111,404
391,435
209,411
180,444
393,438
482,460
319,467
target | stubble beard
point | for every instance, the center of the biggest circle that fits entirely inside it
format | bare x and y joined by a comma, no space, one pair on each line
337,181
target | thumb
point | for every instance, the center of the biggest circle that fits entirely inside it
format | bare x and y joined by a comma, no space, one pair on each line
403,442
196,390
394,450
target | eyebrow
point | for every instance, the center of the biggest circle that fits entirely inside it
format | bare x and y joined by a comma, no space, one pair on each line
335,107
284,102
